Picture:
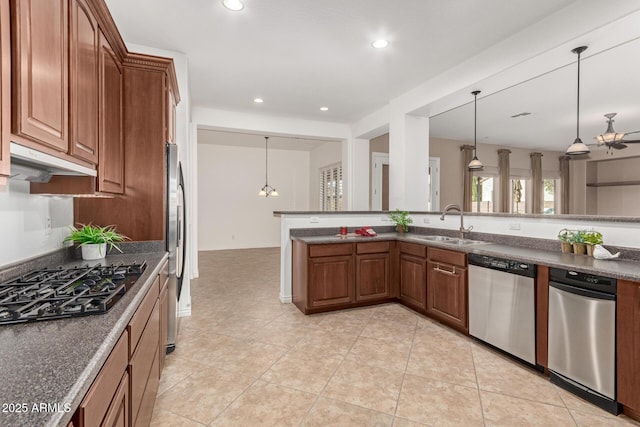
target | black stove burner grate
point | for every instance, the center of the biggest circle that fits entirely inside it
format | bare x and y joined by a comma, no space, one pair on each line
60,293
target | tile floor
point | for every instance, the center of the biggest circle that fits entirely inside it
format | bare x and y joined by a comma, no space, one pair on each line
245,359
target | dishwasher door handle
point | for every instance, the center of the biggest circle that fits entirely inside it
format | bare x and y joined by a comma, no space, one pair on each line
451,272
589,293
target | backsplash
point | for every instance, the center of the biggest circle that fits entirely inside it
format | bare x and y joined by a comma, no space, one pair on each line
24,231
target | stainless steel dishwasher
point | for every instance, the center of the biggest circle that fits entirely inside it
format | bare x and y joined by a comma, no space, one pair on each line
502,304
582,335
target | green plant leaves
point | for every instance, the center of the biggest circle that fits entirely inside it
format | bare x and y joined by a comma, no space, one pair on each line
92,234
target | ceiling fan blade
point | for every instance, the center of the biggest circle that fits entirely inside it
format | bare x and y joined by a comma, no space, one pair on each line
618,145
634,141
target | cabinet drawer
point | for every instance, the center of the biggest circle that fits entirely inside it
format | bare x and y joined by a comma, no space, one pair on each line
330,250
143,360
448,257
372,248
412,249
139,320
98,399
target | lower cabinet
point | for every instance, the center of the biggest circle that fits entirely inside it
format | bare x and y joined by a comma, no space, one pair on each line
342,275
447,288
412,268
628,343
124,392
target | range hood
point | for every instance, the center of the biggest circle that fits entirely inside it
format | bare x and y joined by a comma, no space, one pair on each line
28,164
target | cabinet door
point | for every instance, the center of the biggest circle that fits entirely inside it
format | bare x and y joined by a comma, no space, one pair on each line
171,116
372,277
83,82
111,160
628,331
40,76
447,294
413,281
330,281
118,413
5,94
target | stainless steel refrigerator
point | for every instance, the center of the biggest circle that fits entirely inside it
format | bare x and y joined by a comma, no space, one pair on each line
175,239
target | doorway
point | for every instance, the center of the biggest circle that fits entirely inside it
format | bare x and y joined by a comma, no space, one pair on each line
380,181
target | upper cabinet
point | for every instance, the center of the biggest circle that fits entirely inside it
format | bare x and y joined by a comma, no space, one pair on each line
5,94
40,72
171,115
111,166
83,81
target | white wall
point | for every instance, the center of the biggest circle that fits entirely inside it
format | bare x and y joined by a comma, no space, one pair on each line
231,215
325,155
23,219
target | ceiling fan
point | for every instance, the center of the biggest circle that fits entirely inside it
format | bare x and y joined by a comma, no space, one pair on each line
614,140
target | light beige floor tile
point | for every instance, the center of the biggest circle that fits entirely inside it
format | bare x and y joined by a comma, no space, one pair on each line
328,412
438,403
239,326
282,334
162,418
203,395
443,361
507,411
266,404
574,402
380,353
401,422
499,374
366,386
343,325
396,313
302,371
389,330
587,419
249,358
326,343
176,369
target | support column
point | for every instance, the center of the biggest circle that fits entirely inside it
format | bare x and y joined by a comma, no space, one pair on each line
408,162
355,156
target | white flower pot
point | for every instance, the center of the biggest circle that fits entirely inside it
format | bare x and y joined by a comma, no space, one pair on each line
94,251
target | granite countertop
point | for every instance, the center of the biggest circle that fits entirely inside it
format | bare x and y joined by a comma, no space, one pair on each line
619,268
55,362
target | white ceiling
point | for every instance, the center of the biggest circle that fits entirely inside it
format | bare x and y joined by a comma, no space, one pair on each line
241,139
610,83
299,55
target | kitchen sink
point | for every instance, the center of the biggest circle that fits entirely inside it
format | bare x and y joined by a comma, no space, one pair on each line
450,240
437,238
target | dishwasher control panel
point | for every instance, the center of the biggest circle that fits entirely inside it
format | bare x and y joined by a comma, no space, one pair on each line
503,264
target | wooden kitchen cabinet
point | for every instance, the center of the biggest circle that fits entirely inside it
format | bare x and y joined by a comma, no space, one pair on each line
447,298
412,269
5,91
330,280
171,116
111,149
40,72
164,314
628,346
83,81
106,399
373,271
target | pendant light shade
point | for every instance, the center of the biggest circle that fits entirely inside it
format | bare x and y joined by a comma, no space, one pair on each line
578,147
267,190
475,164
610,136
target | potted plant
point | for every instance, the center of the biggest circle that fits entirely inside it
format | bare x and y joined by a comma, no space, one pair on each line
566,240
401,220
579,245
592,238
94,240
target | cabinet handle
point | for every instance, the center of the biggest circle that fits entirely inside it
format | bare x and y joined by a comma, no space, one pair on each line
451,272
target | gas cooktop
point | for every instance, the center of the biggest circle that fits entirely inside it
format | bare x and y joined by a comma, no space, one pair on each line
66,292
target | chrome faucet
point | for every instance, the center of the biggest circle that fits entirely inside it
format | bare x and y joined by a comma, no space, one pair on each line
453,207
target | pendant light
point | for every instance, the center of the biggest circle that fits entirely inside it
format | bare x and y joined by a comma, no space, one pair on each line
610,136
578,147
267,190
475,164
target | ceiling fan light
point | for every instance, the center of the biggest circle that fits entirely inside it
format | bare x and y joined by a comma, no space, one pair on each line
578,147
274,193
475,164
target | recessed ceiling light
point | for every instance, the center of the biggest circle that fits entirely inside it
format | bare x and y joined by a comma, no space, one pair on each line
258,100
380,44
235,5
324,108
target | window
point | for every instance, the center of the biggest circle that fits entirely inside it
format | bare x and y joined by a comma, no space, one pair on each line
550,188
519,195
482,193
331,188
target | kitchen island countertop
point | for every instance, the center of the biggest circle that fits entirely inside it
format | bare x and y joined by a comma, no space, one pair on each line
48,366
618,268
